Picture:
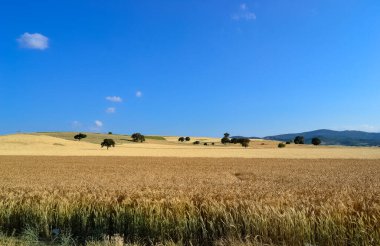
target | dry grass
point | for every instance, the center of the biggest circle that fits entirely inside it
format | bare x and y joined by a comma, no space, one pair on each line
194,200
45,145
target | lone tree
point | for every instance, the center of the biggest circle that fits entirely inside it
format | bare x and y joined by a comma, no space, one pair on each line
226,138
108,143
187,139
79,136
244,142
181,139
299,140
138,137
316,141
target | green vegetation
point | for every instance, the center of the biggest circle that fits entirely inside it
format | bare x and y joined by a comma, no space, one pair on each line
226,138
108,143
80,136
138,137
281,145
181,139
299,140
316,141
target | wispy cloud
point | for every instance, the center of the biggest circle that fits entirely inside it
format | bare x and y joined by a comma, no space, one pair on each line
110,110
138,94
33,41
98,123
244,13
114,99
76,124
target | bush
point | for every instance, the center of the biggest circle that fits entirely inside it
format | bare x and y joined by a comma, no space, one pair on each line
299,140
281,145
138,137
108,143
214,144
79,136
187,139
205,144
109,133
196,142
316,141
181,139
288,142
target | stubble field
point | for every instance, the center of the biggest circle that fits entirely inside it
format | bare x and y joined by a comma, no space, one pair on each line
193,201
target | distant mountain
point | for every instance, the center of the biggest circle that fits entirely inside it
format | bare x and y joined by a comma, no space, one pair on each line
329,137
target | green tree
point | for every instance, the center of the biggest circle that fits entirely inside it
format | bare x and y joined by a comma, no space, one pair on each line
187,139
316,141
79,136
108,143
138,137
181,139
299,140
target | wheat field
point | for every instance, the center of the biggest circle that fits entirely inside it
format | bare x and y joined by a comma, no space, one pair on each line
193,201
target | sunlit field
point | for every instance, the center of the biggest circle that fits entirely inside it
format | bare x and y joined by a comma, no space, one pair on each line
189,201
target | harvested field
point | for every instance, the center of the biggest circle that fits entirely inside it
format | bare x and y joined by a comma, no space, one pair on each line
23,144
201,201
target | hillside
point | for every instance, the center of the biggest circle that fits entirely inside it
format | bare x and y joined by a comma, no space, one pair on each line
330,137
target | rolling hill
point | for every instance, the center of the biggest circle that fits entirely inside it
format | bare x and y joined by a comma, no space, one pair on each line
330,137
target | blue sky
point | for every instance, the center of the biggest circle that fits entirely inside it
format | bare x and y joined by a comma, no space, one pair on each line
189,67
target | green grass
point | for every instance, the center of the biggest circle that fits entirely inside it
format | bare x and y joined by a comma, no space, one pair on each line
96,138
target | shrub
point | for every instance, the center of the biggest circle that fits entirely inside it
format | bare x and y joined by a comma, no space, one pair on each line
244,142
299,140
108,143
181,139
109,133
316,141
187,139
225,140
205,144
281,145
214,144
79,136
138,137
196,142
288,142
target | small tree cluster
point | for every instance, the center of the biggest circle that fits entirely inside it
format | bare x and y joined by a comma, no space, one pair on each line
138,137
182,139
108,143
299,140
79,136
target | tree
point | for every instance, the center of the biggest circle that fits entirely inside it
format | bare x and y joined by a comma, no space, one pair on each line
205,144
108,143
196,142
138,137
244,142
281,145
226,138
214,144
316,141
181,139
187,139
79,136
299,140
288,142
109,133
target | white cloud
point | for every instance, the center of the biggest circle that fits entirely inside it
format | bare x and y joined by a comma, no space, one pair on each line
138,94
244,13
98,123
33,41
114,99
111,110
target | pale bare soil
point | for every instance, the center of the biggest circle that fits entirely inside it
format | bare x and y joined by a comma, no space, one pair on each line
23,144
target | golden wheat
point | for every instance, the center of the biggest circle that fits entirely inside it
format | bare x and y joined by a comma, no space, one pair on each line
198,201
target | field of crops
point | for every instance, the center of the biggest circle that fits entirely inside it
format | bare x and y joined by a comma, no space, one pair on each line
192,201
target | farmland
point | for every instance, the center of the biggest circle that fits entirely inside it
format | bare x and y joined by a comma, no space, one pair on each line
193,201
